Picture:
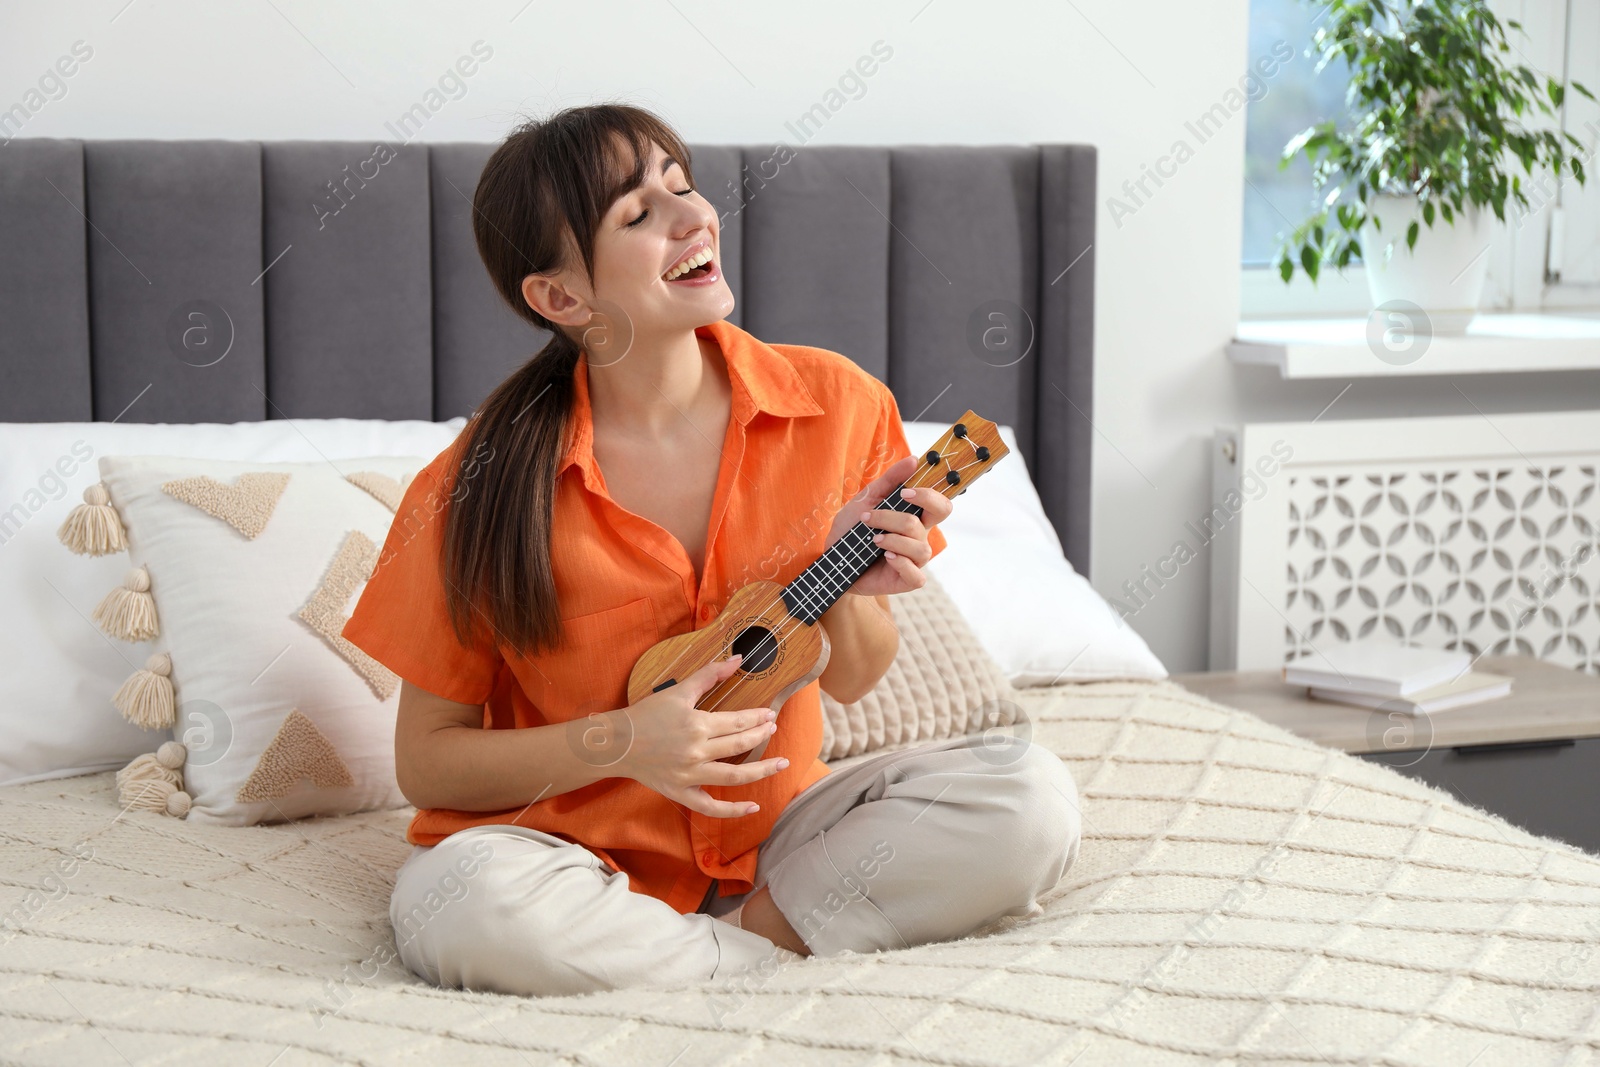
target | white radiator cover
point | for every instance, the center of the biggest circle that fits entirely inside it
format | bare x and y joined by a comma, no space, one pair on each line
1474,532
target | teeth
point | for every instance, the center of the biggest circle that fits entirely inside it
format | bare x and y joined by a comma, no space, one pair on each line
699,258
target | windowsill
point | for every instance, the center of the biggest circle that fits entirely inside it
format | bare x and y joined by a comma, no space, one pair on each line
1495,343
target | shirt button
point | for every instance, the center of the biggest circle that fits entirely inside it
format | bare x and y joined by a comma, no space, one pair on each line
706,612
708,858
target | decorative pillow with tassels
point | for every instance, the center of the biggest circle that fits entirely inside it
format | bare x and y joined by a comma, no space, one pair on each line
242,574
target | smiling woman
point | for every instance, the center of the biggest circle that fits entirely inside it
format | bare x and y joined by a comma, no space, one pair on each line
646,456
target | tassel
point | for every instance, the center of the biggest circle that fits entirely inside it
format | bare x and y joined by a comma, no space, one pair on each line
93,528
145,699
129,611
153,781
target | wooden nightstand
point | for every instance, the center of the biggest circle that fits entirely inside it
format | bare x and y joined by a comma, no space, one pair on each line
1532,757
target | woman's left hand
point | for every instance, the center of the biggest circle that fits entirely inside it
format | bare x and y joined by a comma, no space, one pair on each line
902,535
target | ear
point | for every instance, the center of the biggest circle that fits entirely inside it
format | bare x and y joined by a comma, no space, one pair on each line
549,296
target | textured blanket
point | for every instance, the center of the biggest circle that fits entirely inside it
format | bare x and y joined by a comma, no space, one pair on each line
1242,895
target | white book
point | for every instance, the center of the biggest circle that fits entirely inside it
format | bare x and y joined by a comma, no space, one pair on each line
1474,687
1381,667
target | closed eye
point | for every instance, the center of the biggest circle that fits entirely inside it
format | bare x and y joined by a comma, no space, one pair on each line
646,212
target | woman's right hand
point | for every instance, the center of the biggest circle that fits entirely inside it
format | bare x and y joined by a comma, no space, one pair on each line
674,747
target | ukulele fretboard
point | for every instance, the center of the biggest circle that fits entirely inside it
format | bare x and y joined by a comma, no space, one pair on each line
819,586
960,457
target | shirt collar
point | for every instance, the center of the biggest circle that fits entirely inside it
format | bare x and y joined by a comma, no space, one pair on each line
761,377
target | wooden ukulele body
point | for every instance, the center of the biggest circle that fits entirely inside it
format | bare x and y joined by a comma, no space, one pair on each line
781,654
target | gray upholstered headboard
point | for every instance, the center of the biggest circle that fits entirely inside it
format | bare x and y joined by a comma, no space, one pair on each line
341,280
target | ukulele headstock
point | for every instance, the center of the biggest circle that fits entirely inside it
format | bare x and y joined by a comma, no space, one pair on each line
961,456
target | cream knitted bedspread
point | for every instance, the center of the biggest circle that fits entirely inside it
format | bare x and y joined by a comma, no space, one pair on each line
1241,896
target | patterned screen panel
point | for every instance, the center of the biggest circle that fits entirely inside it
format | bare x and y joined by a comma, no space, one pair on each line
1494,558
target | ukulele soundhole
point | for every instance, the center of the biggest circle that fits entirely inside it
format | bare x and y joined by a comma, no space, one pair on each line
759,647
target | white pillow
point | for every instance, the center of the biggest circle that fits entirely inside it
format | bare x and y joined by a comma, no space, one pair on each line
1004,568
59,669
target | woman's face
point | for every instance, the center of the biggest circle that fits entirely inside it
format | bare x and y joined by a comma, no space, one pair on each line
640,286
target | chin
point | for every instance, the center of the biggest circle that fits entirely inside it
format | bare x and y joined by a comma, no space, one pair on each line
710,307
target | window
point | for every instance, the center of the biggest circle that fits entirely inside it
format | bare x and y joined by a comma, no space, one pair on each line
1545,256
1575,257
1276,201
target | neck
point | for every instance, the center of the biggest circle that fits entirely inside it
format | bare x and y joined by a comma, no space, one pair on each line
819,586
650,390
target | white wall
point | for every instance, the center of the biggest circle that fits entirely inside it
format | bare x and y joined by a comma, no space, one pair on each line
1124,77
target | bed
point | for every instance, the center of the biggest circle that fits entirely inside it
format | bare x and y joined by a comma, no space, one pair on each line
1241,894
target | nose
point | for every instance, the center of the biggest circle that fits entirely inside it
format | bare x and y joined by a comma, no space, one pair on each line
697,215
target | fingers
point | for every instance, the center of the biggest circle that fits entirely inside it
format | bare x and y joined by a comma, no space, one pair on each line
911,575
701,801
915,548
728,774
701,681
900,522
901,533
884,484
936,507
744,773
743,741
721,723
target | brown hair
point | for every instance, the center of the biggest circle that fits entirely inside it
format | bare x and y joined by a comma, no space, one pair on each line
541,198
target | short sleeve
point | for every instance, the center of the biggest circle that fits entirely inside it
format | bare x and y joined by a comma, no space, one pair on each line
402,620
889,446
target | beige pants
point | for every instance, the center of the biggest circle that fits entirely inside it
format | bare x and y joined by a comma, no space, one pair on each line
905,848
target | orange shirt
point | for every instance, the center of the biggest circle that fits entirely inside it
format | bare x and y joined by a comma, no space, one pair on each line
808,429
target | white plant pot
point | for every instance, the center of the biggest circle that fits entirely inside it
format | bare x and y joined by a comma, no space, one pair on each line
1443,275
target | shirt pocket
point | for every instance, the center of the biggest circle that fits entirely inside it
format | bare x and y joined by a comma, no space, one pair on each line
589,672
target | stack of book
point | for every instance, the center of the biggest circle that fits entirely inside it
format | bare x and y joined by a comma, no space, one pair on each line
1395,677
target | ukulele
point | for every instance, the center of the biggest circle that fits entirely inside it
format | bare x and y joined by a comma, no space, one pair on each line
773,627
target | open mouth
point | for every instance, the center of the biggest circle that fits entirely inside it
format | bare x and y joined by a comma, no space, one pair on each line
696,266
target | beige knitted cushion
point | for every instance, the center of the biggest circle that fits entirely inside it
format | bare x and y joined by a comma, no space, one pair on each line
942,683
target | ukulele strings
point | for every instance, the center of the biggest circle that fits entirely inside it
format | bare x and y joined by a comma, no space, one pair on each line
723,651
785,628
790,625
776,635
911,483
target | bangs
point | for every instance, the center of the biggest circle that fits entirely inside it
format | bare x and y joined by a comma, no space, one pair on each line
626,157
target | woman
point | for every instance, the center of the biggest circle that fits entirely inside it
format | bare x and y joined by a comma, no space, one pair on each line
617,489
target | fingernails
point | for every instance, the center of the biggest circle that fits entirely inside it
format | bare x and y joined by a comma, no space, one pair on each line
772,713
736,657
752,809
783,763
865,515
889,555
907,494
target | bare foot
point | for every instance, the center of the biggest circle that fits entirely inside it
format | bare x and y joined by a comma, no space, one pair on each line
760,915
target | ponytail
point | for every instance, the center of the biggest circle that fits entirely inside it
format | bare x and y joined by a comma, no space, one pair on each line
496,562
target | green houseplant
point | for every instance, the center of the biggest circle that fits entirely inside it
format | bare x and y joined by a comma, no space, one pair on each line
1435,115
